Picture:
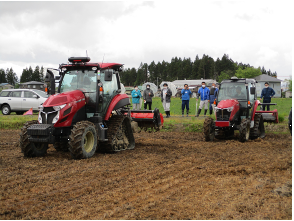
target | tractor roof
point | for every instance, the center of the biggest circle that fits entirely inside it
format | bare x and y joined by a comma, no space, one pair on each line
239,80
102,66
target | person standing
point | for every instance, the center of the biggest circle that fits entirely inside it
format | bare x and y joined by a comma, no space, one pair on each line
136,95
147,97
165,99
186,93
203,92
267,93
212,97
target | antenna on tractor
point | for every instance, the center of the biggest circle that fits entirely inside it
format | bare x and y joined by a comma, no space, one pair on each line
103,58
86,53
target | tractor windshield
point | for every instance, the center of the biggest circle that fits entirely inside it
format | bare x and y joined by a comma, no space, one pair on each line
84,80
232,91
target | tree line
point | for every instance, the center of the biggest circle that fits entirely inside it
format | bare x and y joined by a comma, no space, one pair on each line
28,74
180,69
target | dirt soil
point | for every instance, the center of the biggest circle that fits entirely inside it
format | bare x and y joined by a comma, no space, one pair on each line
169,175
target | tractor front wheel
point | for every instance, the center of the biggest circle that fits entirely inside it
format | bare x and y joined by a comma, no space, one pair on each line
244,130
83,140
209,129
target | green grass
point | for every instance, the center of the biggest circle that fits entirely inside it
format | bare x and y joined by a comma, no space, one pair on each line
176,122
14,121
283,106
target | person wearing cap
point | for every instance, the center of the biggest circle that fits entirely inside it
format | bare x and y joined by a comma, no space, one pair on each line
136,95
212,96
186,93
267,93
203,92
165,95
147,97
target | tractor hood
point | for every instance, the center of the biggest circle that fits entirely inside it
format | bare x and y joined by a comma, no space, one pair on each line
64,98
227,103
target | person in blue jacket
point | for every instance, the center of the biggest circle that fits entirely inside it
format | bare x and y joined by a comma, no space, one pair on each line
203,92
186,93
212,95
136,95
267,93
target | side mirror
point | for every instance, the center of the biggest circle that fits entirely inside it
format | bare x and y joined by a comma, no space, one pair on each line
35,96
252,90
108,75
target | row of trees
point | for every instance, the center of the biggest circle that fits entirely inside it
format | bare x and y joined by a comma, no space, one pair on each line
205,67
28,74
178,68
8,76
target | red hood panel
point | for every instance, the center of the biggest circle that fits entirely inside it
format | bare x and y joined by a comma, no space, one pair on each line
227,103
63,98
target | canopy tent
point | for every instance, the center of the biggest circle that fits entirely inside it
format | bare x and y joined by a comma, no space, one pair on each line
171,86
153,87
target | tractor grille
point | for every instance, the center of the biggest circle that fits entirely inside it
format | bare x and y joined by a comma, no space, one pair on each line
48,114
223,115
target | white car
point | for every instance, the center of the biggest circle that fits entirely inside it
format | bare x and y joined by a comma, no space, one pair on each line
21,100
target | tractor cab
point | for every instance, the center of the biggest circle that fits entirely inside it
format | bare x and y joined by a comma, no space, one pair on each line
236,98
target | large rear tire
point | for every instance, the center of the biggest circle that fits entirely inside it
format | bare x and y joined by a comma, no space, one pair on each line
209,129
83,140
61,146
244,130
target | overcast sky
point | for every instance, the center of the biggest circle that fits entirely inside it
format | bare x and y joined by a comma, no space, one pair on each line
131,32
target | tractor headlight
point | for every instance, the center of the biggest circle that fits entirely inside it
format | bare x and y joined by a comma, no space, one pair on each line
230,109
40,117
58,108
41,108
216,109
56,118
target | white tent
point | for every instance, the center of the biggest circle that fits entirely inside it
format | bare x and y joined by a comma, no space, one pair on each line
171,86
153,87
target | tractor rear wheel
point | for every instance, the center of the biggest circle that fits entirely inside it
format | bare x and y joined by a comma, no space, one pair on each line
120,135
61,146
35,149
83,140
209,129
258,128
244,130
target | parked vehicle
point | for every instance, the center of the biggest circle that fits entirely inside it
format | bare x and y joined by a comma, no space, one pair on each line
21,100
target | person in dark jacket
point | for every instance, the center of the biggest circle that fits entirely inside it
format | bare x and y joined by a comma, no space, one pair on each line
147,97
267,93
203,92
212,97
165,99
186,93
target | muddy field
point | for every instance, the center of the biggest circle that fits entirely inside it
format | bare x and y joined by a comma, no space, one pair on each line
168,175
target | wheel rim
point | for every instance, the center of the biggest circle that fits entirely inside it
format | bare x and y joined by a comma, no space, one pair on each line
5,110
88,141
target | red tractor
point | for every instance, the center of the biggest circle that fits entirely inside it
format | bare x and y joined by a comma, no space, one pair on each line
87,114
236,109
